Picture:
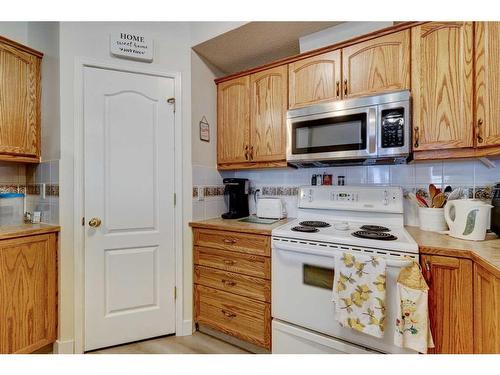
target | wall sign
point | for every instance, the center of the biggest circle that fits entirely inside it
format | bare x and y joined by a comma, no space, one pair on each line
131,46
204,130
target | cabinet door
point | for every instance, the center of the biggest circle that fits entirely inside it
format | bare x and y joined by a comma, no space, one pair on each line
28,293
442,85
233,114
269,100
377,65
450,303
19,102
486,312
315,80
487,43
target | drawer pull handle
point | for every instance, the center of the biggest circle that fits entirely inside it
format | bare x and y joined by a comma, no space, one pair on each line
229,241
228,282
229,262
228,314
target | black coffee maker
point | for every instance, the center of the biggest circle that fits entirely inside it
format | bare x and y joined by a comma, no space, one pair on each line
495,211
236,197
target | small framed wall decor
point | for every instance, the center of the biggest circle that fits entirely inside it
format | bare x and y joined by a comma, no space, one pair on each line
204,130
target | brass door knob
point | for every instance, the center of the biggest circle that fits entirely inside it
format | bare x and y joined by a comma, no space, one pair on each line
95,222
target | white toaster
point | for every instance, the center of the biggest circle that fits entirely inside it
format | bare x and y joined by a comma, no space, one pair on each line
270,208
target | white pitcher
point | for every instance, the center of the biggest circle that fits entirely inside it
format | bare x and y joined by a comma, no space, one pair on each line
467,218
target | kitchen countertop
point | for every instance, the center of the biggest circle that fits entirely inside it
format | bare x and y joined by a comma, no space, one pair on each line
22,230
486,253
237,226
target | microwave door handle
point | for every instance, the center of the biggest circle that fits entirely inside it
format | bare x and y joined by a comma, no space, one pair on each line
372,131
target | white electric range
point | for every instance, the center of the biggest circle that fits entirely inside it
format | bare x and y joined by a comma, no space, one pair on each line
331,220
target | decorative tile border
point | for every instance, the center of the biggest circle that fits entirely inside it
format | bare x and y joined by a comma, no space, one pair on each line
51,190
482,192
9,188
209,191
276,190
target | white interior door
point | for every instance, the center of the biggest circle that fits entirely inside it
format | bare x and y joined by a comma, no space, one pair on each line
129,186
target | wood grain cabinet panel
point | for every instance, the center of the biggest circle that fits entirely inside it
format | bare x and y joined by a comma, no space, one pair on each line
450,303
487,56
233,121
269,103
442,81
28,293
377,65
19,103
486,312
239,242
315,79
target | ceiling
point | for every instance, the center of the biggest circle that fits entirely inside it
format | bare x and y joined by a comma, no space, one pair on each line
256,43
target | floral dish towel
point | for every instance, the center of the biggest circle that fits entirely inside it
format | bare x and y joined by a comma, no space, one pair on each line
359,293
412,319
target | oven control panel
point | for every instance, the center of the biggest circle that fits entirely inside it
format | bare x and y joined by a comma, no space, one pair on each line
354,198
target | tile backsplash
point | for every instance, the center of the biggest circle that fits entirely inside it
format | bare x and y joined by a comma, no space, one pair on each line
284,182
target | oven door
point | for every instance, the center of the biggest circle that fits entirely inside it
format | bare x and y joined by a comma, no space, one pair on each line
346,134
302,283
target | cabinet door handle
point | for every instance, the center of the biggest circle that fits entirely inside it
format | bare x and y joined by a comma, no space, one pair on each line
246,152
251,153
229,241
479,136
228,282
417,137
428,274
345,87
228,314
229,262
338,88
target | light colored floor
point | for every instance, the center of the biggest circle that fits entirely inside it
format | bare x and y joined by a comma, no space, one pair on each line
198,343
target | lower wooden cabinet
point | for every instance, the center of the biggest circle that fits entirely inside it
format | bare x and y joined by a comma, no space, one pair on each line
486,311
28,293
232,292
450,303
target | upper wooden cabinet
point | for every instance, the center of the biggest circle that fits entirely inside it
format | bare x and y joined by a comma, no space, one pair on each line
269,102
486,312
28,293
487,98
442,83
233,120
315,80
252,120
450,303
19,102
377,65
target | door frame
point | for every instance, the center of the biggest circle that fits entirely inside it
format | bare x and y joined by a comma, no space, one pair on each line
79,193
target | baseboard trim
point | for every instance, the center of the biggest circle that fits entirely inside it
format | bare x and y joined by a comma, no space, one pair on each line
187,328
64,347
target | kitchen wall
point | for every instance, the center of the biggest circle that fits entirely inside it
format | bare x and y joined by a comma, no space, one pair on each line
412,177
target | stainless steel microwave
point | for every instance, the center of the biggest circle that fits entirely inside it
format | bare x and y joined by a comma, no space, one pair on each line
365,130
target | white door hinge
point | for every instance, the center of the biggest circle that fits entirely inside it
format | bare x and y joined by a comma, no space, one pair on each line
171,101
175,199
175,292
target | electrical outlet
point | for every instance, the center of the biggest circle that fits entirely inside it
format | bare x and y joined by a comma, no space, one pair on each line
201,193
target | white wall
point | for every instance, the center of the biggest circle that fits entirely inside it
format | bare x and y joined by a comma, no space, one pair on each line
338,33
91,40
17,31
203,31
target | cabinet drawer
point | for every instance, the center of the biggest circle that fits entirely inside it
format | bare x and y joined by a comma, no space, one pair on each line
242,285
246,264
240,242
234,315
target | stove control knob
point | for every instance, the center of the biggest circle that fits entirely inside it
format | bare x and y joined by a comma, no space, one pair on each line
310,195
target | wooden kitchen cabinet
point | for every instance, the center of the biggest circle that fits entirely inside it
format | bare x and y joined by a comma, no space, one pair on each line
252,120
314,80
450,303
377,65
487,98
233,120
269,103
20,94
486,311
28,293
232,278
442,85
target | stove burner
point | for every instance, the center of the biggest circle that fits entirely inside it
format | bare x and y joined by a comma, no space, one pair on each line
314,224
305,229
375,228
374,235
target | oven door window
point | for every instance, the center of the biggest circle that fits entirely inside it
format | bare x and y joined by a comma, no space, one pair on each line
330,134
319,277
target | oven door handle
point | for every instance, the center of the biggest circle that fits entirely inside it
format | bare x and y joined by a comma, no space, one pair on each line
372,130
299,249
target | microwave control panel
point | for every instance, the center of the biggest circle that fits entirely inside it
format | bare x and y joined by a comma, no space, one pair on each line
393,124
